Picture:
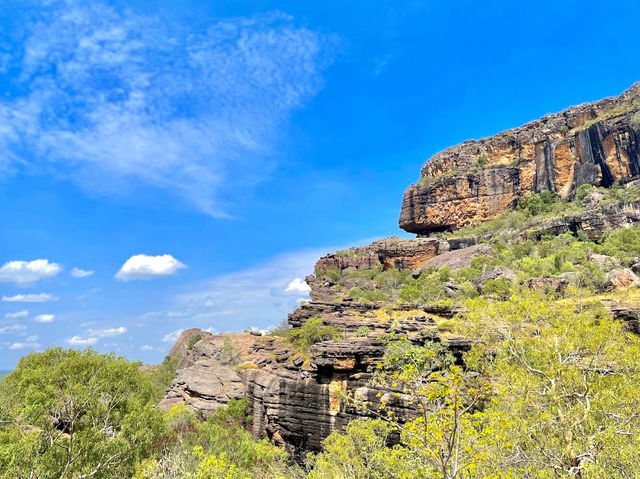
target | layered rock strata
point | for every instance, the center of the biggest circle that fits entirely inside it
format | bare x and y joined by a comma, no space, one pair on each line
296,397
595,143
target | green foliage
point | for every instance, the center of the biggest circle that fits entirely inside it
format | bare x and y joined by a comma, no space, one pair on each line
220,447
281,330
363,332
311,332
449,437
368,295
332,274
538,203
230,354
193,341
361,452
482,160
623,244
427,288
71,414
163,374
498,288
568,380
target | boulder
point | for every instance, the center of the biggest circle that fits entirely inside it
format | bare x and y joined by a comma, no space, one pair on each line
495,273
393,252
548,284
593,200
455,259
622,279
604,261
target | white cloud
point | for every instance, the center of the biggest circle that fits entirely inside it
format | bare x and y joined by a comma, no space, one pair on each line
17,315
80,341
30,298
45,318
107,333
297,286
25,345
172,337
80,273
253,297
28,272
14,328
142,266
96,103
146,347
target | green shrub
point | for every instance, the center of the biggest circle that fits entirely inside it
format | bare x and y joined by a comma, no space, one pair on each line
193,341
363,331
499,288
311,332
229,353
66,412
281,330
368,295
623,244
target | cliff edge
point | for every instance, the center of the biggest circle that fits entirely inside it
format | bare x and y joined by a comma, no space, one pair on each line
595,143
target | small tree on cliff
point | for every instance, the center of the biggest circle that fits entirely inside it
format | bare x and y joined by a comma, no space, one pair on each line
449,437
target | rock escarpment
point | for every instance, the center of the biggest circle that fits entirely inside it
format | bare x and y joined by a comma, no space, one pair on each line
595,143
297,396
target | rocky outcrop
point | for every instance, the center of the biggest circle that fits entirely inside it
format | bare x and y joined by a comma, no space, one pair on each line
596,143
456,259
622,279
387,253
295,401
297,396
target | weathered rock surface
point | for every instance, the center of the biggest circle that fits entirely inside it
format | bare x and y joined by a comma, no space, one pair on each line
296,396
495,273
622,279
596,143
295,403
388,253
456,259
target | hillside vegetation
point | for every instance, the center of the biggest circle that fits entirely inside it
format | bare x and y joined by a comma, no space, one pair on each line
548,389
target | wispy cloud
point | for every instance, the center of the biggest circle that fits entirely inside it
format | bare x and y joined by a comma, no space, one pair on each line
80,273
45,318
24,273
12,329
297,286
30,298
260,296
107,333
80,341
113,99
25,345
17,315
172,337
92,336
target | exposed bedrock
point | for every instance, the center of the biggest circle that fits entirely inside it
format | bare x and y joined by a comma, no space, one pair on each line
297,396
596,143
295,401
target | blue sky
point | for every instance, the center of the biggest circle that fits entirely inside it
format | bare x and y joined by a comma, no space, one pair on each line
193,159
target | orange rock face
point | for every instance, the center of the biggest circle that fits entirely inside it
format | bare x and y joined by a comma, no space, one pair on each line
596,143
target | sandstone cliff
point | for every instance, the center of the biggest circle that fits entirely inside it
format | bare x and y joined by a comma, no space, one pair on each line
297,396
596,143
